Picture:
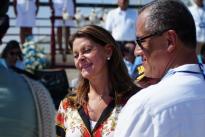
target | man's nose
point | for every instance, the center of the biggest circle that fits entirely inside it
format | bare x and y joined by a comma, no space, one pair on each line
138,51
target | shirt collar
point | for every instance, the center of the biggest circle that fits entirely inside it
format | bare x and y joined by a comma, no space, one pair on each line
190,67
120,11
186,67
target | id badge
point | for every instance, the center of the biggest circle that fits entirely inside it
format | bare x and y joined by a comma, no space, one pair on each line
202,25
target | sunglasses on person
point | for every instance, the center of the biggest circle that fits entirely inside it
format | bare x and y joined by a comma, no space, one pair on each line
140,40
12,53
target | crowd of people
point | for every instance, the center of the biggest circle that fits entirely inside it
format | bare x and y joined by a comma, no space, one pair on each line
140,75
26,12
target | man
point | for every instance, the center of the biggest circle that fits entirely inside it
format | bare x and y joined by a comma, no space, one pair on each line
26,107
128,56
121,22
174,107
198,13
26,12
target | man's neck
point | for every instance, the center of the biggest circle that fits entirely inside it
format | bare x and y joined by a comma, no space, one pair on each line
123,8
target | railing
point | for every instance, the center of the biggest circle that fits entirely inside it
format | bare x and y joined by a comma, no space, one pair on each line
46,30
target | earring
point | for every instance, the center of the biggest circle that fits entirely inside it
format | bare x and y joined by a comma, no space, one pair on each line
108,58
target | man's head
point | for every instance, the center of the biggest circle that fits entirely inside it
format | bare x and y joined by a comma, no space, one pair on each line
123,4
166,34
128,51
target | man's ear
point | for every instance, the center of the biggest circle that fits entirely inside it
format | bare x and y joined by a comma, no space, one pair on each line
172,40
108,50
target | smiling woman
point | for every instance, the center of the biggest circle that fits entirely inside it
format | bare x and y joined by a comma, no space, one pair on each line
103,89
89,57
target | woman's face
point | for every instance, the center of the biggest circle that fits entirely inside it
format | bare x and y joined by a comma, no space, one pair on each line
12,57
90,58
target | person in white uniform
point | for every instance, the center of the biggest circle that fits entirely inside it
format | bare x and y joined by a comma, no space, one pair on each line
121,22
198,12
173,107
26,11
66,10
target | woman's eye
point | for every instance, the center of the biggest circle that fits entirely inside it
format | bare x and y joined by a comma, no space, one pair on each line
87,50
75,56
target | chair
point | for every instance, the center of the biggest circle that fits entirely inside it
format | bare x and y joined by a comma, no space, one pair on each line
55,80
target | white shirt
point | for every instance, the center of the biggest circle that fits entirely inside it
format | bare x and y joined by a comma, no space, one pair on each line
25,5
92,124
198,14
61,6
26,13
129,66
175,107
121,24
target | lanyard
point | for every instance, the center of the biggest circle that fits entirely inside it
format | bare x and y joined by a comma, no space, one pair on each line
201,67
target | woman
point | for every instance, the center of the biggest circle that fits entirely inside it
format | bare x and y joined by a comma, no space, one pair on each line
104,86
26,12
66,9
12,56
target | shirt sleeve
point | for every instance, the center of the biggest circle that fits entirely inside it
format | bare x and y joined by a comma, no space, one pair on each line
108,22
60,119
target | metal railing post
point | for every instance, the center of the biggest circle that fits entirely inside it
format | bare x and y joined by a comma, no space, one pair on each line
53,43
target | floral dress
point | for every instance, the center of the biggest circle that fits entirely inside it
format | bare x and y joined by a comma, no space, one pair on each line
75,122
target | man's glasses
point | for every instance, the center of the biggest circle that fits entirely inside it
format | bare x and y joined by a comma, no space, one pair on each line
140,40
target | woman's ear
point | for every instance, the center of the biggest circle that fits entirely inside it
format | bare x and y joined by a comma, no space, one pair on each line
108,50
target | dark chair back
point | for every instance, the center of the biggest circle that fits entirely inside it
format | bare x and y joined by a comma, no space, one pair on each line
56,82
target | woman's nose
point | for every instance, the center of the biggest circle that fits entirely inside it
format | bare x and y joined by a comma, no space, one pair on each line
81,57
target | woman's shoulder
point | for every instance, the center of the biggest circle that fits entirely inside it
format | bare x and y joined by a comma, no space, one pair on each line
69,102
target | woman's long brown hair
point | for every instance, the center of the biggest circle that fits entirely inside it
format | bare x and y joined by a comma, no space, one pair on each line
122,85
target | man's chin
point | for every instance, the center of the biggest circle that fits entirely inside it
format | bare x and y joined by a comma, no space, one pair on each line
147,81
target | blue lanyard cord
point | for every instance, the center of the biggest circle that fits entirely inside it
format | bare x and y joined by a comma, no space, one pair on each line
201,67
192,72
